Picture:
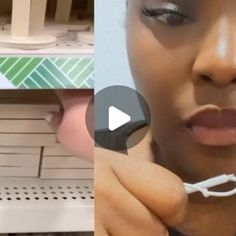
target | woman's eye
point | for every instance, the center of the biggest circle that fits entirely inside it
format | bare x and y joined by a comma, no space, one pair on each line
166,16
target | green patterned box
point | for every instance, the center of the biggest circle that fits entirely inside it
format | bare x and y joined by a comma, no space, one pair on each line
46,73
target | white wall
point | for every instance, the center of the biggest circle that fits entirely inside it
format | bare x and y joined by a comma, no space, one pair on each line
112,67
111,60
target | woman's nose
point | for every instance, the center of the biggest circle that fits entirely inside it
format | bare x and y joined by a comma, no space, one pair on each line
215,62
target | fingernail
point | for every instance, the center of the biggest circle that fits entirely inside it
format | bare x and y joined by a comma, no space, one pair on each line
48,117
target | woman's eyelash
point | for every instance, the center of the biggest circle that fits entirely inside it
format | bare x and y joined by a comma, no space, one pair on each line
167,16
158,11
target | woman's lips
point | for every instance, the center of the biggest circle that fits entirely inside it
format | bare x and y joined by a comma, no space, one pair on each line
214,127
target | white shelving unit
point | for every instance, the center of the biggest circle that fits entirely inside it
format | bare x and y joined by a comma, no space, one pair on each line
36,205
29,30
64,47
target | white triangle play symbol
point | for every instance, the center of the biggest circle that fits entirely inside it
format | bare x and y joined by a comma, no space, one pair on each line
117,118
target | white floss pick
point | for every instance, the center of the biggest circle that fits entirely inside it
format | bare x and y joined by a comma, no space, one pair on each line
209,183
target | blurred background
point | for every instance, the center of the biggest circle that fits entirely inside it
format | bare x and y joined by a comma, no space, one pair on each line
111,59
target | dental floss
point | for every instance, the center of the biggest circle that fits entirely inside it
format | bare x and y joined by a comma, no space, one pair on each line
209,183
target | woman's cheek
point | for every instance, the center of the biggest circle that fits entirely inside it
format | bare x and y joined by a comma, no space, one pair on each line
73,133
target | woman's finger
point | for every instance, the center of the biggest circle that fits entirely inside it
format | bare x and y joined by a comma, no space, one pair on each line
154,186
119,211
71,125
54,119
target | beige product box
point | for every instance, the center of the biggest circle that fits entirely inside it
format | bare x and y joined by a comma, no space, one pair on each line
25,111
20,150
56,150
67,173
25,126
19,171
63,11
19,160
62,162
28,17
31,140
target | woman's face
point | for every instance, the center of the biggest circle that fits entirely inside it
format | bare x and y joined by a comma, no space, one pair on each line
183,58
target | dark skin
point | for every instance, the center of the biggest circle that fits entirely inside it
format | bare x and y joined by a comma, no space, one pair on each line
181,60
169,64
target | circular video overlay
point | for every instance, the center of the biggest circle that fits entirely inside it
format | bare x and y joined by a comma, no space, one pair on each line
118,112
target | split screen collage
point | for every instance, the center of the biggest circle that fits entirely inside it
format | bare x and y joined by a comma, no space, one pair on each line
117,118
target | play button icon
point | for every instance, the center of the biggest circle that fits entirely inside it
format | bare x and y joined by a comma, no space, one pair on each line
118,112
117,118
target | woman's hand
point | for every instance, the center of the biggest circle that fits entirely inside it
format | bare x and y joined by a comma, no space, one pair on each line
70,124
135,197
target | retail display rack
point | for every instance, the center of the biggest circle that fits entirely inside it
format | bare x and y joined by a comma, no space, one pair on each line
46,44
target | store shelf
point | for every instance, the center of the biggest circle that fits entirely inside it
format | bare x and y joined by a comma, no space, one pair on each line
52,48
62,49
36,205
55,25
65,46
